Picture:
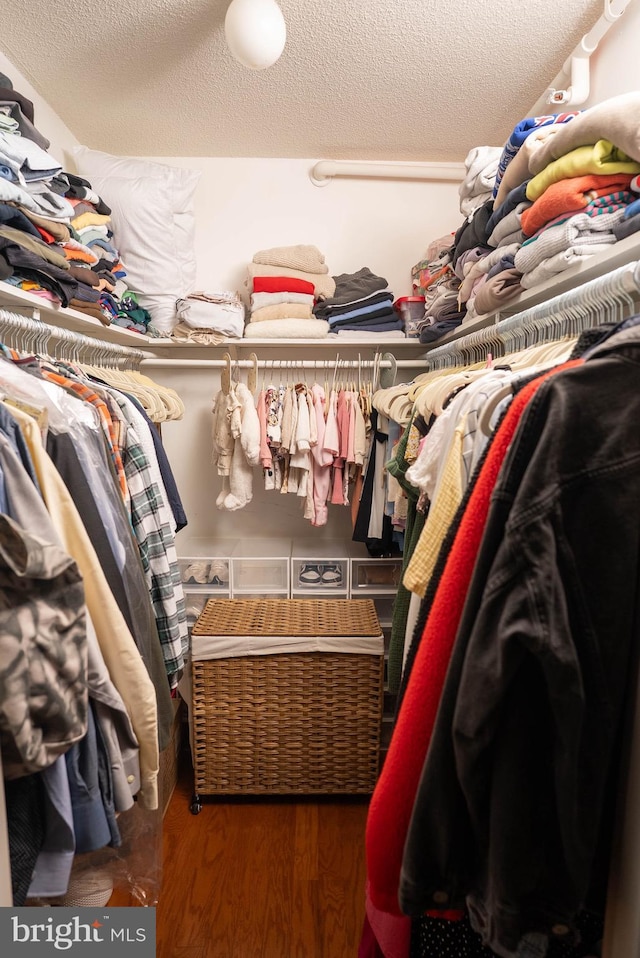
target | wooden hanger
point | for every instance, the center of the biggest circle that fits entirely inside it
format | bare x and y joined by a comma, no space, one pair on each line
252,375
225,376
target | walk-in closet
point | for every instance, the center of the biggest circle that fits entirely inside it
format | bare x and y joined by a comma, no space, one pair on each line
320,479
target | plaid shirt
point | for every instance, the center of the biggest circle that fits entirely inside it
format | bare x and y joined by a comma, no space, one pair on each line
152,528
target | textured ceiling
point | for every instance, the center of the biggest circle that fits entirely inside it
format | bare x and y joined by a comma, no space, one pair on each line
359,79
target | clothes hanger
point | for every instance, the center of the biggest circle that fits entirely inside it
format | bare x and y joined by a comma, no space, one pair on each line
388,372
252,375
335,373
484,419
225,375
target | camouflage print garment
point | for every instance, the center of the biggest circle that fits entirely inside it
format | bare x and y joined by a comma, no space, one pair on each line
43,652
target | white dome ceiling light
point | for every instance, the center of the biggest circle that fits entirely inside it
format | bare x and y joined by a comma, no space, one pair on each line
256,32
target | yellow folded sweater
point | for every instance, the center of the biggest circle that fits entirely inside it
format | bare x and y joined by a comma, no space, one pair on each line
603,158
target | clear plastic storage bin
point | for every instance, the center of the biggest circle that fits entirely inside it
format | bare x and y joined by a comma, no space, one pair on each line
194,604
260,567
204,573
375,576
319,568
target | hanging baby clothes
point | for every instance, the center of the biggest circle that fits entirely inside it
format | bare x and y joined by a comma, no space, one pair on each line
309,441
372,527
322,459
299,461
236,445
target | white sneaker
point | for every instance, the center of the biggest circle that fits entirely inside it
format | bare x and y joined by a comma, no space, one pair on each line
331,575
219,570
309,575
197,572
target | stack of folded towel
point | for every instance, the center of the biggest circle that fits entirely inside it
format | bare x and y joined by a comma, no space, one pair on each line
361,306
284,283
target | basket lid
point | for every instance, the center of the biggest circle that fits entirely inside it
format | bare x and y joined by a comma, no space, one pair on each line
288,617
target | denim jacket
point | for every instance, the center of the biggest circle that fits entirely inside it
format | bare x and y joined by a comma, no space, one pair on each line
515,794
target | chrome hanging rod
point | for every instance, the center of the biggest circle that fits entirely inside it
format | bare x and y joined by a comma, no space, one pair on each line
284,364
24,332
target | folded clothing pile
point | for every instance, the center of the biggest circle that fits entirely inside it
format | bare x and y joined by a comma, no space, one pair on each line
209,318
481,165
630,221
95,262
362,304
564,189
443,311
560,246
34,215
55,236
16,114
92,255
284,283
433,266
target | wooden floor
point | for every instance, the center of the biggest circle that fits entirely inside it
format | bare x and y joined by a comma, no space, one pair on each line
261,879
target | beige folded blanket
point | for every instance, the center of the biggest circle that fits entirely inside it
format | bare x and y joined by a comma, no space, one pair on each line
617,120
281,311
324,284
258,300
287,329
308,258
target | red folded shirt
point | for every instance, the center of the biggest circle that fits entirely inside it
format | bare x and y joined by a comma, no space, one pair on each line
281,284
46,235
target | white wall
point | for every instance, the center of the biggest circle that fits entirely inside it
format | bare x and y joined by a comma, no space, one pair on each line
47,120
615,66
244,205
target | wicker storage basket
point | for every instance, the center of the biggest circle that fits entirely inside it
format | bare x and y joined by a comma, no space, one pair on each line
291,722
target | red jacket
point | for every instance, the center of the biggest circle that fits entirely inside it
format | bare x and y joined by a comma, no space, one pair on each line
392,801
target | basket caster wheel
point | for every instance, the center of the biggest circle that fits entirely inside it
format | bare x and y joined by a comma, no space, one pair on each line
196,805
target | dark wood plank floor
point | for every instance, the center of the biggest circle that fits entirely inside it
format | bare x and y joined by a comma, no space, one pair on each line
261,879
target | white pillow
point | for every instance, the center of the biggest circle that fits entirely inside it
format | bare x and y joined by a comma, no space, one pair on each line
153,221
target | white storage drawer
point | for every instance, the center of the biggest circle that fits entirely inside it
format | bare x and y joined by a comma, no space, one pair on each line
195,601
377,576
319,567
206,573
384,609
261,567
262,594
260,575
320,575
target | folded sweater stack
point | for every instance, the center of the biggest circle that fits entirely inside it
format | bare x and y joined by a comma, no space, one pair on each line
55,236
284,283
565,190
362,303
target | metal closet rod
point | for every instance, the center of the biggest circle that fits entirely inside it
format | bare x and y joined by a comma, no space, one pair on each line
27,332
285,364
